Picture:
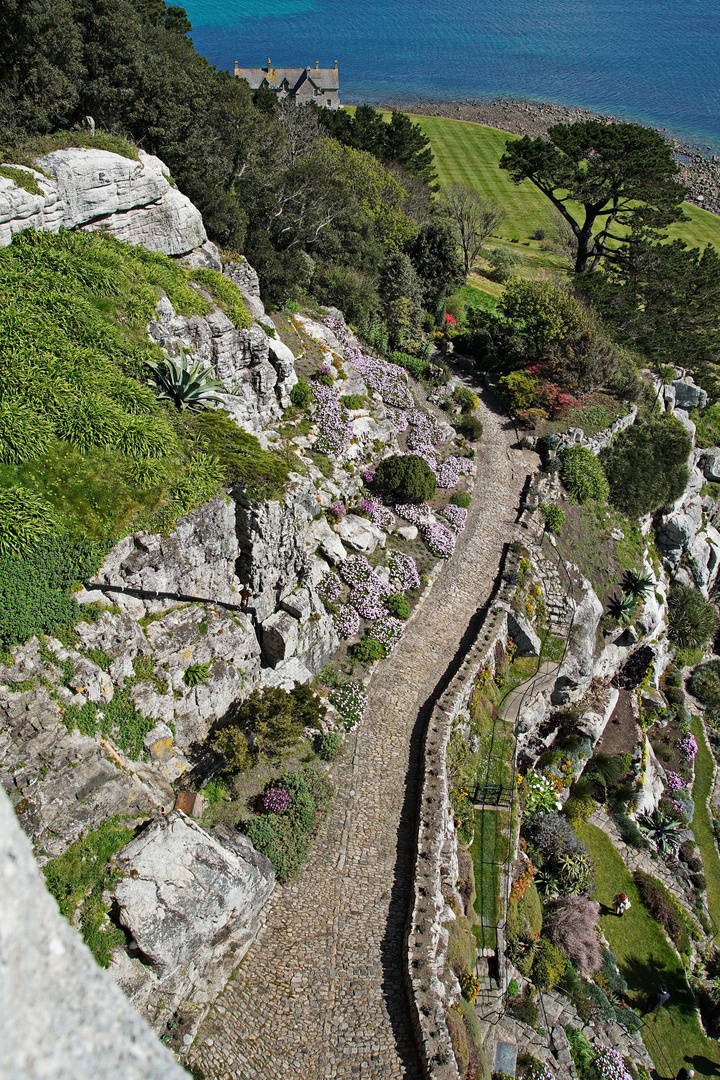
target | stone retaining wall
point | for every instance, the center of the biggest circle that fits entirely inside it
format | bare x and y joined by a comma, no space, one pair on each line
431,989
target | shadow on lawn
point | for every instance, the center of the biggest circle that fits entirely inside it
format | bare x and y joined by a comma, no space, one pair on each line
644,978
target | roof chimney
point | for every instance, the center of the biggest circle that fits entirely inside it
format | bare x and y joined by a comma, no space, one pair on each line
317,64
336,65
269,64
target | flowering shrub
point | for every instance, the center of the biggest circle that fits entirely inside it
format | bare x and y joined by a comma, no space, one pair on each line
440,540
368,476
610,1064
450,470
324,369
337,511
539,1071
398,418
688,747
275,800
456,516
330,588
367,599
416,513
403,571
541,797
386,379
470,986
356,570
350,701
674,782
389,632
521,886
425,430
335,430
346,621
378,514
367,506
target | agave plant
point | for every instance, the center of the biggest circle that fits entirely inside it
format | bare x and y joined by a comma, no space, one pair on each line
187,387
623,608
662,832
636,585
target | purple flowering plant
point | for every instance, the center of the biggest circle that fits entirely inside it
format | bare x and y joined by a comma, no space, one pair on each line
350,701
346,621
456,516
610,1064
403,572
275,800
439,539
688,747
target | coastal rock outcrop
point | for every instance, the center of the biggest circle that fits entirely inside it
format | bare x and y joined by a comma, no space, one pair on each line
131,199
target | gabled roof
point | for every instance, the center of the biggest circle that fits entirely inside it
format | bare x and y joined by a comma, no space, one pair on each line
320,78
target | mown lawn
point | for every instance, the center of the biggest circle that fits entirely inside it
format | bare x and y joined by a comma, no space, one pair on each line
672,1033
702,826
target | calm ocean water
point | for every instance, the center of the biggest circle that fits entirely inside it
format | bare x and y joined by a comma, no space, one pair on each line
654,61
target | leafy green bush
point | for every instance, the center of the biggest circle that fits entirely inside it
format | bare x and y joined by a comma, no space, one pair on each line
409,479
262,473
369,650
646,465
276,719
705,684
465,398
26,518
583,1052
549,964
233,744
226,293
519,390
693,620
554,517
398,605
328,746
78,878
503,262
353,401
416,366
463,499
187,386
301,394
582,474
285,838
471,427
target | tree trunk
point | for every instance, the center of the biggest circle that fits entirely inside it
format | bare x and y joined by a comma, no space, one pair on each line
584,239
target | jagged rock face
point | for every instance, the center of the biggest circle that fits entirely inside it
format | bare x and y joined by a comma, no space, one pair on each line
684,529
183,890
93,189
577,669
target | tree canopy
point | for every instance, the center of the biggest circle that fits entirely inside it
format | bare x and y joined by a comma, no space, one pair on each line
646,465
621,175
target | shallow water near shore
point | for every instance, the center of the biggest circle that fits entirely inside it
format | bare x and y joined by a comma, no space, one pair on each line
653,61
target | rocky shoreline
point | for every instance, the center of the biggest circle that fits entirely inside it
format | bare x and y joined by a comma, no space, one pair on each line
699,172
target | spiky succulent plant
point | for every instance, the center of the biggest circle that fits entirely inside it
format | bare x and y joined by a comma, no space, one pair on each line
623,608
187,387
636,585
663,833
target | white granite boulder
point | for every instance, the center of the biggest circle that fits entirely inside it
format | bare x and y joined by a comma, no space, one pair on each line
182,889
361,534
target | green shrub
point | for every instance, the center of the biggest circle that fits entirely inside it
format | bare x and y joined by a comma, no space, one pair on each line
582,1050
398,605
286,838
646,465
369,650
705,684
463,499
470,427
530,910
554,517
409,479
233,744
416,366
519,390
23,434
353,401
262,473
307,708
582,474
328,746
549,964
465,398
503,262
301,394
693,620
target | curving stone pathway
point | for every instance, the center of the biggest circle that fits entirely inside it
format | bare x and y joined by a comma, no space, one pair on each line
321,993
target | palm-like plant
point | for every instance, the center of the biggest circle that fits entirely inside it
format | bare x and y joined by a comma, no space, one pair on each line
187,387
623,608
663,833
636,585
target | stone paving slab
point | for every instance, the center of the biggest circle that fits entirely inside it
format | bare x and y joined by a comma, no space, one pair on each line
321,993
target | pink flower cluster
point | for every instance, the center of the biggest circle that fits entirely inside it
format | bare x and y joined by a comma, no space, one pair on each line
387,379
377,513
688,747
398,419
350,701
275,800
416,513
356,570
337,510
403,571
346,621
450,470
324,369
330,588
368,476
456,516
427,453
674,782
440,540
331,419
610,1064
426,431
389,632
367,590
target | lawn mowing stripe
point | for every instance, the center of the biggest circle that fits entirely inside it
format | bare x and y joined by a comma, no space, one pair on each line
701,825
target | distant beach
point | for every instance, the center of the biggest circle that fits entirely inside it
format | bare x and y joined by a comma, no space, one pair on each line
699,168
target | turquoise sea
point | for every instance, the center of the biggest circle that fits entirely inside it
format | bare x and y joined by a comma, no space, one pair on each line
653,61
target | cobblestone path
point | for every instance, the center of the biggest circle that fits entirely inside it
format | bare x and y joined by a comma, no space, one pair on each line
321,993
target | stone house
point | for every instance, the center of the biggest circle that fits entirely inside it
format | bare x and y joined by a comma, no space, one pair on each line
301,84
